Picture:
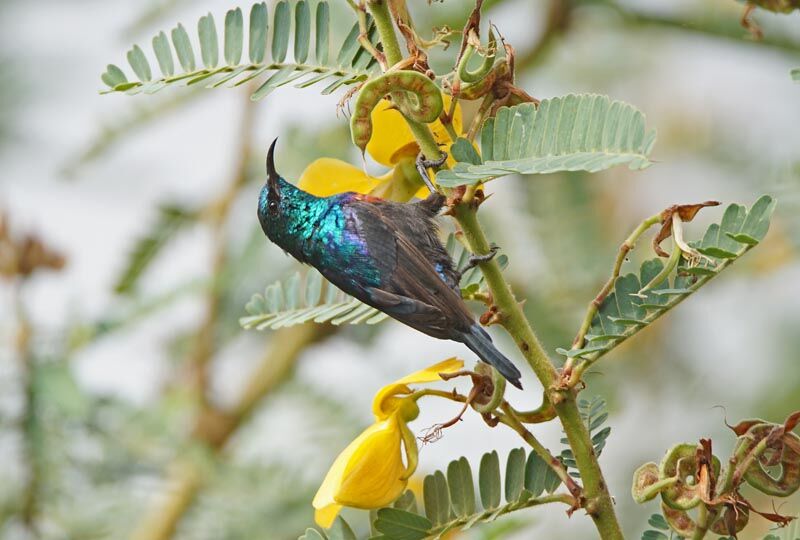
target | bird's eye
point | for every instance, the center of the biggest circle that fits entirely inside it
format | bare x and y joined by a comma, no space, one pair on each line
273,206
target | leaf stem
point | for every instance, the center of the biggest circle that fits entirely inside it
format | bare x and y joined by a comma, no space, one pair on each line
383,22
554,463
543,413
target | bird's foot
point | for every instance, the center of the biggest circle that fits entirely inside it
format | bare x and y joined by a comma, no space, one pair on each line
474,260
424,164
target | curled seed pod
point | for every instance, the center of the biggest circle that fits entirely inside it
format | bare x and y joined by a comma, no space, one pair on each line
784,450
680,463
678,520
647,483
415,95
467,76
479,89
489,403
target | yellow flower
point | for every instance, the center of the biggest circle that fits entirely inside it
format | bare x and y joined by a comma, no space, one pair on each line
392,139
370,472
328,176
392,145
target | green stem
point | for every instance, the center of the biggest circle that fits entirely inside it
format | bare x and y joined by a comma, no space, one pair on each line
701,527
543,413
597,500
379,9
554,463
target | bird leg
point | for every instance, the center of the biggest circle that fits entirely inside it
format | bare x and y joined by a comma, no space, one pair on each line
423,165
474,260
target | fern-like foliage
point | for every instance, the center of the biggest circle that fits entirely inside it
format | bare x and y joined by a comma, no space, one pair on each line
796,74
171,219
267,53
572,133
449,499
307,296
626,311
594,415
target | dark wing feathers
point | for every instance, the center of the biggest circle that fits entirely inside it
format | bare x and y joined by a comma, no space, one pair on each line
405,248
416,222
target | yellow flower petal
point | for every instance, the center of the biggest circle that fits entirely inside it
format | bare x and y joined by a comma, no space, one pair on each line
386,401
326,515
328,176
431,373
367,474
392,139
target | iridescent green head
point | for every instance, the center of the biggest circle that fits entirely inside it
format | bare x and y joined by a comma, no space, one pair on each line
287,214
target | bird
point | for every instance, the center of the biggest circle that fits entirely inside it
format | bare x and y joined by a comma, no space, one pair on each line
386,254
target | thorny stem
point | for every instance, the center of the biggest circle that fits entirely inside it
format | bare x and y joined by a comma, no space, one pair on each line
383,22
363,37
597,502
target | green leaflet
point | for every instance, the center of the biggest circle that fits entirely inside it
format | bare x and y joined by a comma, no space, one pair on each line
796,74
292,23
593,412
623,313
450,502
301,299
584,132
309,297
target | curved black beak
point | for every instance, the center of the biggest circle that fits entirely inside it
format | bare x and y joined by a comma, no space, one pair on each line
272,174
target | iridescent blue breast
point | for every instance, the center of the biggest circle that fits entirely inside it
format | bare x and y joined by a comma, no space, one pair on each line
337,245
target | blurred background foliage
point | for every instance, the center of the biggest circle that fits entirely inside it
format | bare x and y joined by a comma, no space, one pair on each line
138,407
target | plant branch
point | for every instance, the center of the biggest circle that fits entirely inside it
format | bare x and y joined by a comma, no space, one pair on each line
554,463
598,501
543,413
383,22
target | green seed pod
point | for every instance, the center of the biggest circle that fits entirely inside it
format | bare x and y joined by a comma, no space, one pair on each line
647,484
678,520
414,94
680,463
467,76
484,86
489,403
784,451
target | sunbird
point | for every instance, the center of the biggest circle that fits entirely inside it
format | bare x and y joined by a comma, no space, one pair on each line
384,253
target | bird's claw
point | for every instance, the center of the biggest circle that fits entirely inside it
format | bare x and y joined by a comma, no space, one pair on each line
475,260
424,164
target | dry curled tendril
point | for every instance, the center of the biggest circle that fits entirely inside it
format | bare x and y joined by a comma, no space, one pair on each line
690,477
414,95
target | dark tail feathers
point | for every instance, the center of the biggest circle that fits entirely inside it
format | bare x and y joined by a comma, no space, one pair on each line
480,343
